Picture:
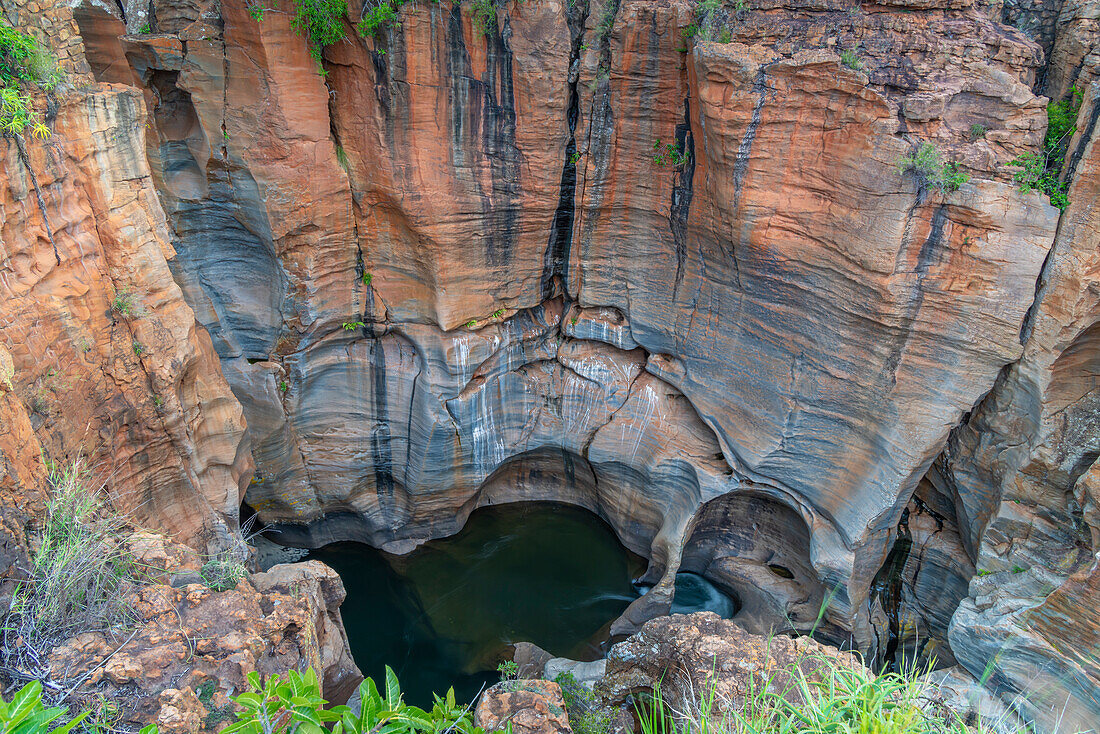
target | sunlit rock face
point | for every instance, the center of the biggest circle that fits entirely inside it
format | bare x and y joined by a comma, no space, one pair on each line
106,356
457,249
687,275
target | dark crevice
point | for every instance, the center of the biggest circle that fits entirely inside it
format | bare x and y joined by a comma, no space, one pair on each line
682,193
37,193
886,586
555,266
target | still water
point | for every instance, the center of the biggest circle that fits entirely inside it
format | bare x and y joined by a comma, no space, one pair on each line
446,614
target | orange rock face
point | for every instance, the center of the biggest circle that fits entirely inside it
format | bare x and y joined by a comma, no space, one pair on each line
107,356
684,267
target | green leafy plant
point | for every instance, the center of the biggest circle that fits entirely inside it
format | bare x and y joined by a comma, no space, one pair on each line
293,703
27,714
471,324
23,62
139,348
257,9
499,313
283,386
978,131
508,670
851,59
669,153
932,172
320,21
342,157
379,15
485,16
1043,171
367,278
353,325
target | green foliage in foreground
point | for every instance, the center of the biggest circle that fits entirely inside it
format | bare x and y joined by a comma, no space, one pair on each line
845,701
293,703
26,714
23,61
289,704
932,172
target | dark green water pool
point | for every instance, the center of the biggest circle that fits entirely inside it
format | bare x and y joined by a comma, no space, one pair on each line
447,613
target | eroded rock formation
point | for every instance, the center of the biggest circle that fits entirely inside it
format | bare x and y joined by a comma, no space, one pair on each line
680,281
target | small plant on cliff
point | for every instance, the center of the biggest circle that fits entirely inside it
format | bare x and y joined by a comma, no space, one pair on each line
1043,171
223,572
321,21
23,62
379,15
353,325
123,304
978,131
508,670
851,59
257,9
485,16
669,153
932,172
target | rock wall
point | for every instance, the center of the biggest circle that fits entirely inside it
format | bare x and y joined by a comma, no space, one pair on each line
684,271
108,358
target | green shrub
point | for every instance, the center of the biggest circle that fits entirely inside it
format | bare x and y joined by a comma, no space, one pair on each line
23,61
509,670
669,153
582,707
851,59
1043,171
932,172
485,16
320,21
353,325
378,15
978,131
26,714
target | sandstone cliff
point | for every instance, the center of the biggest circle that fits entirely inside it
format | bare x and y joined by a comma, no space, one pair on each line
684,273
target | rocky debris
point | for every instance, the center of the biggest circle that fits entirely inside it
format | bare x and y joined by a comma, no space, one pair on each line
688,654
192,646
530,706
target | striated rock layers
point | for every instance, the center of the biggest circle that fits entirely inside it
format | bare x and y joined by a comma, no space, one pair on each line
106,356
685,272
